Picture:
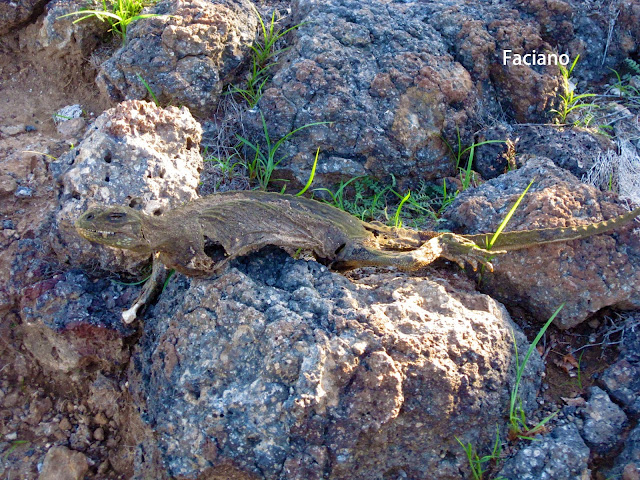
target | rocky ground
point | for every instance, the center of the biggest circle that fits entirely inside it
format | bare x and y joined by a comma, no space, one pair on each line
279,368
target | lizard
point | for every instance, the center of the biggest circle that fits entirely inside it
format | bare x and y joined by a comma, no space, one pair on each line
200,237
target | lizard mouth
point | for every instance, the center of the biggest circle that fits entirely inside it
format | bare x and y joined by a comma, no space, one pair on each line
96,233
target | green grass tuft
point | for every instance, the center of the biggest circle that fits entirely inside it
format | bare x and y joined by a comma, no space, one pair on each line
466,173
119,14
569,100
263,51
518,424
477,463
264,162
371,200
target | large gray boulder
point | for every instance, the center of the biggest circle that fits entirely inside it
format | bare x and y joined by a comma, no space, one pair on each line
15,13
280,369
397,77
61,38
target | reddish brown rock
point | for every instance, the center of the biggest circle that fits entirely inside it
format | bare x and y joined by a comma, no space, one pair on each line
586,275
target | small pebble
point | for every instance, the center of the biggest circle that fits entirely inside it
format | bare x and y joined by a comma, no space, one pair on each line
23,192
104,467
631,472
30,128
11,130
8,225
98,434
65,424
68,113
101,419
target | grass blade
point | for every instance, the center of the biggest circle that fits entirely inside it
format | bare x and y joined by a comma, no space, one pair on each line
504,222
313,172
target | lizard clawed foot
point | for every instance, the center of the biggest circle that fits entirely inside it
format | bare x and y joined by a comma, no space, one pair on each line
460,250
150,289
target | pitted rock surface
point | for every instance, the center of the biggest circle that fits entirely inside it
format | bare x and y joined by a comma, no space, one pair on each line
573,149
389,85
135,154
393,86
587,275
185,56
280,369
622,379
13,14
559,455
604,422
71,323
60,37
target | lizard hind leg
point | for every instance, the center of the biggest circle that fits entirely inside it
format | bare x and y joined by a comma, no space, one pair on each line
461,250
447,245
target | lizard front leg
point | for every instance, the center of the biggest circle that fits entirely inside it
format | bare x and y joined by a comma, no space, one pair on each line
199,266
150,289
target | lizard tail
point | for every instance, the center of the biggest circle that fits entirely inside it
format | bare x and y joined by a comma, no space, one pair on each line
529,238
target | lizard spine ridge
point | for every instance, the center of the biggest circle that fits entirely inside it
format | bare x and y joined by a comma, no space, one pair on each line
528,238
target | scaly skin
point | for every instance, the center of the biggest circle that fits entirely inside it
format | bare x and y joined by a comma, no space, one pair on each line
238,223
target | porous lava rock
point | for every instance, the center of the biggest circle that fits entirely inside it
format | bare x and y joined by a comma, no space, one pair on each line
14,13
622,379
573,149
61,38
604,422
390,88
280,368
70,323
186,55
393,89
135,154
586,275
559,455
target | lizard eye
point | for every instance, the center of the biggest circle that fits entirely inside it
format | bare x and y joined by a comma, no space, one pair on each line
90,216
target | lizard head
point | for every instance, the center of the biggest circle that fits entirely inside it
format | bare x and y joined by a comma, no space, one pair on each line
119,227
